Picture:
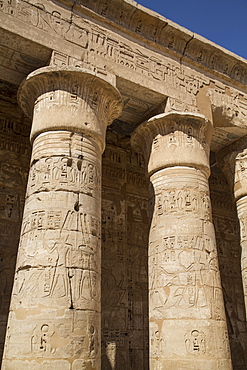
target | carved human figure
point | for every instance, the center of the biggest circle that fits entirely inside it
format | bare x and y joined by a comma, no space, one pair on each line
55,307
186,307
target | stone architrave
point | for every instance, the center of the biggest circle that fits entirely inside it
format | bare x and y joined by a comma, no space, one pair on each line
233,162
54,320
187,324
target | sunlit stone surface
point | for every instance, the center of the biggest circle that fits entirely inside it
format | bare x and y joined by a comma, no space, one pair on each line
78,252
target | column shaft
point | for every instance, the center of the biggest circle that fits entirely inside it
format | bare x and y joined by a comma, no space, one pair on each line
186,311
54,319
242,216
233,162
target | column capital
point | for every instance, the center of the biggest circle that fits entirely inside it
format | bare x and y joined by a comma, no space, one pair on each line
233,162
185,295
69,98
174,139
59,256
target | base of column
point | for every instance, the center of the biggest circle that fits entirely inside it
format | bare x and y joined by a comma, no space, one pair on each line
175,364
51,365
68,341
189,344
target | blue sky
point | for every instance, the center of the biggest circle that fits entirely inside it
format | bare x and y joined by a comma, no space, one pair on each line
221,21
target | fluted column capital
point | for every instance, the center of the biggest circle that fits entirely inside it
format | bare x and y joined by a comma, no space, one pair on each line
233,162
175,139
69,98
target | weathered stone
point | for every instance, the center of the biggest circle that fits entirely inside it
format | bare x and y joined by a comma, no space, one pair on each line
233,162
184,278
55,309
72,56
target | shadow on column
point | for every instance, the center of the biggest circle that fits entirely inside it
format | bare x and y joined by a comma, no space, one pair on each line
7,270
229,252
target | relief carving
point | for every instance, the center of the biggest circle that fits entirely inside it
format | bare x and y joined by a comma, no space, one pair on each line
64,173
180,201
195,342
59,258
184,280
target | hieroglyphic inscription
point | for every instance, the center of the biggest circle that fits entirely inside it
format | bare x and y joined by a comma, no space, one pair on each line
229,226
124,274
64,173
44,339
180,201
230,101
114,292
137,242
97,42
227,230
184,279
55,220
58,263
11,205
114,172
177,134
157,339
8,126
13,174
176,80
69,250
10,144
113,241
100,46
180,272
195,342
14,166
71,27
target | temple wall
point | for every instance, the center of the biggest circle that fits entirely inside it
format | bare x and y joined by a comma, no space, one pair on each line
14,167
124,244
124,258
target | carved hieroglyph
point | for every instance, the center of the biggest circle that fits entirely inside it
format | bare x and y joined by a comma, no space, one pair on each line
14,166
124,258
54,319
187,323
233,161
226,225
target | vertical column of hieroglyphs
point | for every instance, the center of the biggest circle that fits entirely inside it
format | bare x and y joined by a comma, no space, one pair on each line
14,165
54,320
233,161
187,325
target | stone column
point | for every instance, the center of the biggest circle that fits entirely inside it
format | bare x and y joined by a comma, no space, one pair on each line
233,162
187,325
54,320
